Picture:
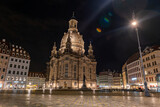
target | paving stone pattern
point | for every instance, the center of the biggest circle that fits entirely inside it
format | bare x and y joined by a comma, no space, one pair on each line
42,100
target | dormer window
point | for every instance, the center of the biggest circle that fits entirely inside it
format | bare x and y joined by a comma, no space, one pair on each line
13,54
151,50
17,50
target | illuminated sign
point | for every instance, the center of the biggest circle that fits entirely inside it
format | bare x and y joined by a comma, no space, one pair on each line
0,85
16,81
134,79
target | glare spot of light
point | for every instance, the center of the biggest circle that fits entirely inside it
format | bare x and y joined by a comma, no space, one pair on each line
110,14
106,20
134,23
99,30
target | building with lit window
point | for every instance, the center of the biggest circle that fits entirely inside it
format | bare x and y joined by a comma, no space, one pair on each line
14,66
151,63
17,70
135,79
110,79
105,79
117,82
4,59
36,80
69,66
125,76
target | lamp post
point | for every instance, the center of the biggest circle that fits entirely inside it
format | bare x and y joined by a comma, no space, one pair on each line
135,25
30,84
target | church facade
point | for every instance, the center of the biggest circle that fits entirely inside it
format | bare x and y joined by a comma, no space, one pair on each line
69,66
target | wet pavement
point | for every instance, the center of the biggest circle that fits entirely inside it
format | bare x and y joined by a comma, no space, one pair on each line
43,100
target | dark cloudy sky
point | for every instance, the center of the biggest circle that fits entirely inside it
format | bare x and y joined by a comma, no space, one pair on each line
37,24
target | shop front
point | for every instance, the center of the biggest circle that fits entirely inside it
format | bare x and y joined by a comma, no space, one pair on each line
1,85
15,85
158,82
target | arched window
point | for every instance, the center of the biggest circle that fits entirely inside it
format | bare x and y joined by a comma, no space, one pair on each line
90,70
83,69
60,70
66,70
74,71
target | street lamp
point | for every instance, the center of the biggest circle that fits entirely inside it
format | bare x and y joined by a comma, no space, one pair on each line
134,24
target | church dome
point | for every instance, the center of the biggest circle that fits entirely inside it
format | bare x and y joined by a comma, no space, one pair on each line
77,43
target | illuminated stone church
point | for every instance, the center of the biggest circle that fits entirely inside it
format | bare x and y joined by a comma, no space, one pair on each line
69,65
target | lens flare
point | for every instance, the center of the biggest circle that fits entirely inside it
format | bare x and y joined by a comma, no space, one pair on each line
106,20
110,14
99,30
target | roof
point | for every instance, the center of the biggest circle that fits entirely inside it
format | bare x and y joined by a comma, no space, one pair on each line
150,49
116,74
133,58
4,47
147,50
13,50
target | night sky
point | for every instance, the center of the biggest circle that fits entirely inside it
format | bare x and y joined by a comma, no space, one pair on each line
37,24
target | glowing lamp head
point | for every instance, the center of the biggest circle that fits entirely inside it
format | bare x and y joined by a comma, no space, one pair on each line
134,23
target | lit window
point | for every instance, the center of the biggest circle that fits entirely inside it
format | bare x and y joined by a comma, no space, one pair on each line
91,84
8,78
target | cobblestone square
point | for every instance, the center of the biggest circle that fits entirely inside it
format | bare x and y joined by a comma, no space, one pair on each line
33,100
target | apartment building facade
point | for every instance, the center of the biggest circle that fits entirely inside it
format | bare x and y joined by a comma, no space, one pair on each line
14,66
151,63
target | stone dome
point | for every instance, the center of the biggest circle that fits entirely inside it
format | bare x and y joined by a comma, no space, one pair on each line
77,43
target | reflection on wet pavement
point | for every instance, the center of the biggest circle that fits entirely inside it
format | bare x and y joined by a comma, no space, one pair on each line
42,100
